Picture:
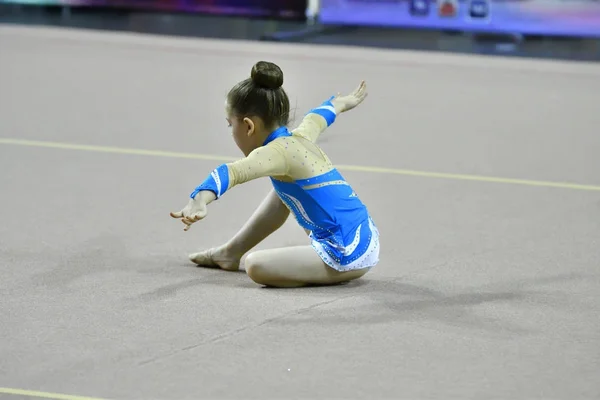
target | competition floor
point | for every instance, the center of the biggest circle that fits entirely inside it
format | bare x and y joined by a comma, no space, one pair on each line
483,175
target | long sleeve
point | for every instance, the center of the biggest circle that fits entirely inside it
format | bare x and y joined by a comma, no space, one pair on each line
316,121
269,160
311,127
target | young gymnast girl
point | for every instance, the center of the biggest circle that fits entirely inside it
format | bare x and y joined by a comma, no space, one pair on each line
344,240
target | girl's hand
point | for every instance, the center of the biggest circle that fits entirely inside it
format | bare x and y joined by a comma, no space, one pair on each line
194,211
348,102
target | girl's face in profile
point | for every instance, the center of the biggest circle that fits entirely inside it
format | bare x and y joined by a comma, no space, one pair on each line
242,131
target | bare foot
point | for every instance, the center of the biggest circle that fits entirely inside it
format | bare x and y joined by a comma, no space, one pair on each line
217,257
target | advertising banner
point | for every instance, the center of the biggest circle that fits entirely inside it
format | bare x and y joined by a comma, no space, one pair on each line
539,17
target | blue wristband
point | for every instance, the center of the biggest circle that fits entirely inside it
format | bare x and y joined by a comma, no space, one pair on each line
326,110
217,182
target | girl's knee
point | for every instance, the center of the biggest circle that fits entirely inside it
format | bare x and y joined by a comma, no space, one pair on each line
255,268
258,269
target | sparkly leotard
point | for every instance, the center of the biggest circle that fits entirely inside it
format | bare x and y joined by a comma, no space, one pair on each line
341,229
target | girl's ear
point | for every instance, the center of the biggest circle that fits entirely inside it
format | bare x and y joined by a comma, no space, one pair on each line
250,127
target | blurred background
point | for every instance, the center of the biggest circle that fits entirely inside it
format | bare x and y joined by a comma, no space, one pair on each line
565,29
485,287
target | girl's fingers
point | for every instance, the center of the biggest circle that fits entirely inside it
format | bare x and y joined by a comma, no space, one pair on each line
363,91
178,214
362,88
188,220
359,92
191,219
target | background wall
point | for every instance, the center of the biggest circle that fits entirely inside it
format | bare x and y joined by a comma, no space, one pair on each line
577,18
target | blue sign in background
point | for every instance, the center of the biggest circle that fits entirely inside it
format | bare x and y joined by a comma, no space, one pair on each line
545,17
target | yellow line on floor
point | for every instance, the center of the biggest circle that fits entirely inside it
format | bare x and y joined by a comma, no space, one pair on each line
44,395
118,150
359,168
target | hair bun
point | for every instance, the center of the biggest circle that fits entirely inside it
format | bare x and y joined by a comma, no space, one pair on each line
267,75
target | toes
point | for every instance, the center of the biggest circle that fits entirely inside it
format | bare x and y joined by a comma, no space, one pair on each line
203,258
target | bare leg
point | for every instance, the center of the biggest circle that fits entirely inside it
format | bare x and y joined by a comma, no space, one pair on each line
268,217
294,267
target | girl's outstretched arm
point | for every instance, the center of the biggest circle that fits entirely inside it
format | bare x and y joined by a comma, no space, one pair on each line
265,161
320,118
316,121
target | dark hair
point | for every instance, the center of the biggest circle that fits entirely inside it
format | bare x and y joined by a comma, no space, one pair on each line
261,95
